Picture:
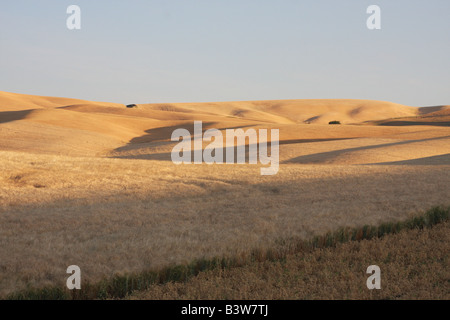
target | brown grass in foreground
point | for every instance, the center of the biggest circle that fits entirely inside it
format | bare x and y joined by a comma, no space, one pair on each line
118,216
121,286
414,265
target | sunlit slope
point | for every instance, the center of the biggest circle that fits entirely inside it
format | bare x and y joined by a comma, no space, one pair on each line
372,131
436,116
16,101
317,111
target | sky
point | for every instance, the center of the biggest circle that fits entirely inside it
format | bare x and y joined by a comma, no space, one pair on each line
152,51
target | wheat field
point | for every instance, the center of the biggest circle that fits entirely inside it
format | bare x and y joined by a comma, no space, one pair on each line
92,184
414,266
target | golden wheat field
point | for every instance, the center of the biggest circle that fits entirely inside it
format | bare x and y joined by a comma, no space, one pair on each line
414,265
92,184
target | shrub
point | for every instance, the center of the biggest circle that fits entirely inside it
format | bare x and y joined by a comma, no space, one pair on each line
334,122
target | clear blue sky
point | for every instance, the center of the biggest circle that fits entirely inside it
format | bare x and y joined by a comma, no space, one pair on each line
143,51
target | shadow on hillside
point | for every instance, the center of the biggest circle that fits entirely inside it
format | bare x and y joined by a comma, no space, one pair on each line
443,159
8,116
158,137
319,157
416,123
431,109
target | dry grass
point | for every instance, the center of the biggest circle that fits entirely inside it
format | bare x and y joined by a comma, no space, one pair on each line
112,216
414,265
121,286
63,202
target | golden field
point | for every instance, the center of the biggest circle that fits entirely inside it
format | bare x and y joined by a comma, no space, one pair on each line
92,184
414,265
